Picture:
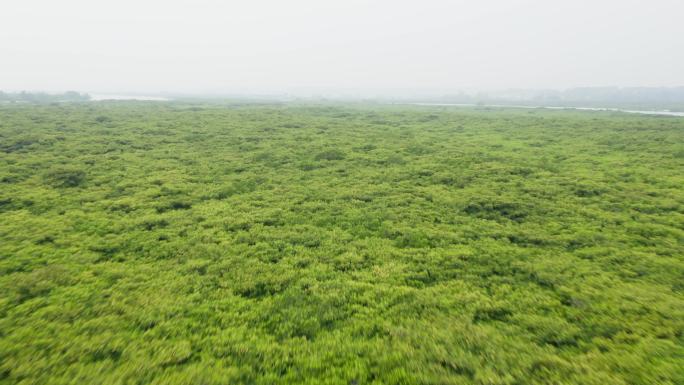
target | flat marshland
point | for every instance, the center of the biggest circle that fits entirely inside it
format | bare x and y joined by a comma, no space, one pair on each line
175,243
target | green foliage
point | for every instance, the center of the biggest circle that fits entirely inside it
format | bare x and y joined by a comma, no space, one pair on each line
330,155
170,243
65,177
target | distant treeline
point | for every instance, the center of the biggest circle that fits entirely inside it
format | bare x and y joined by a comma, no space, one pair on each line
647,97
41,97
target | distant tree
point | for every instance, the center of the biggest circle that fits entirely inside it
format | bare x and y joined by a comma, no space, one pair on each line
41,97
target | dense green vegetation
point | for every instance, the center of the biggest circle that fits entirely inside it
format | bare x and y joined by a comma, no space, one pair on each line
168,243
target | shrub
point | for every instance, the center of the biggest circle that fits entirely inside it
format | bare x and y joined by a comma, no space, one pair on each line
65,177
330,155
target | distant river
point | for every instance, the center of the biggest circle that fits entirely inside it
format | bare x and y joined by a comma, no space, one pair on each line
98,97
666,113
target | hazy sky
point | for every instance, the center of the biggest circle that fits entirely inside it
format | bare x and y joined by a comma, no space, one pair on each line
278,45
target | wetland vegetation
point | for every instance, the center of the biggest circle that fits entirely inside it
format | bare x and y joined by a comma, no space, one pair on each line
227,243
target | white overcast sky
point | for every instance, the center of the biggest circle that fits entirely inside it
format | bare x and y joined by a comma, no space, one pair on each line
275,45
